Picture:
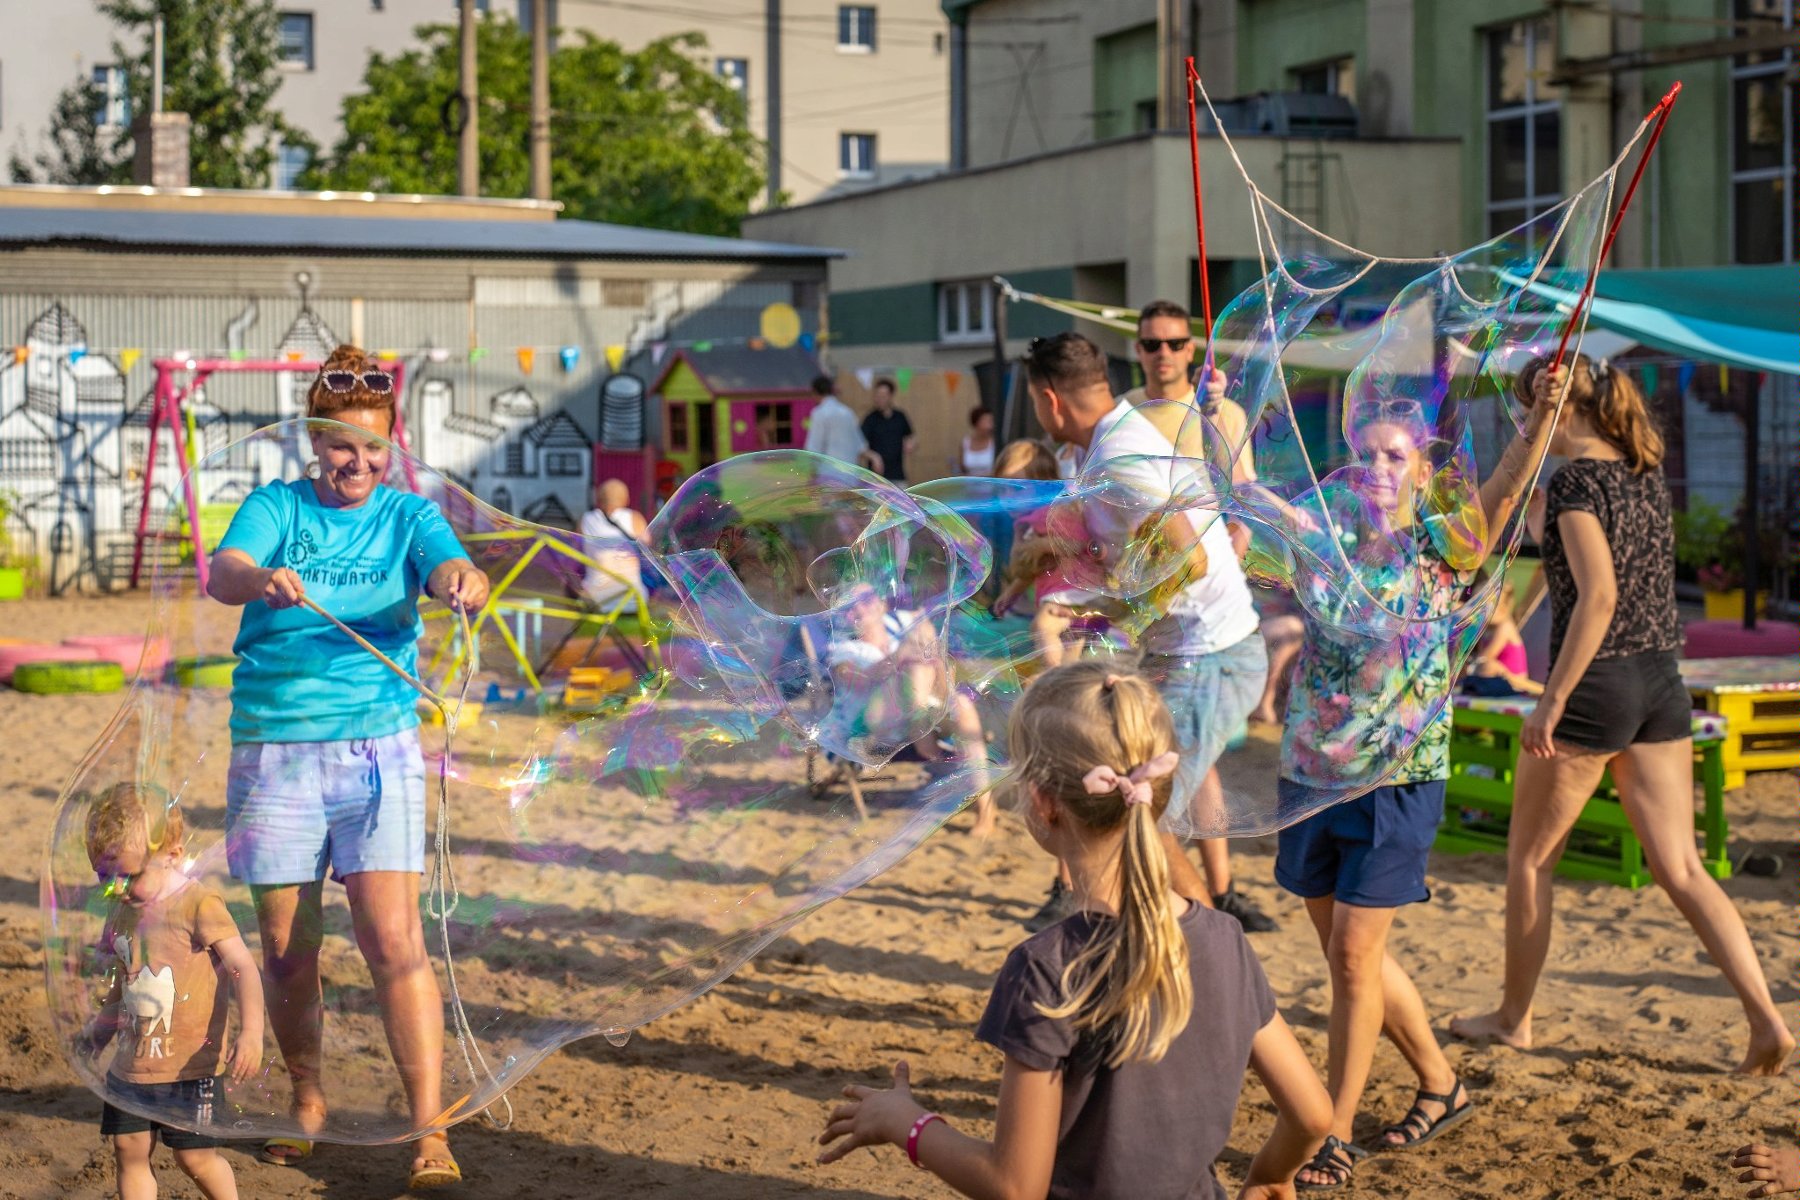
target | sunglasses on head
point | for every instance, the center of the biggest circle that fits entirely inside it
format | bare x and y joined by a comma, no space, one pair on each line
379,382
1152,345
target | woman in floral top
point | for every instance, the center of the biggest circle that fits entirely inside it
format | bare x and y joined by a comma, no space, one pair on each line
1370,706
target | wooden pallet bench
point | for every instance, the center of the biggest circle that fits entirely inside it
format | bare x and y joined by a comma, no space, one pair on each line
1484,752
1760,701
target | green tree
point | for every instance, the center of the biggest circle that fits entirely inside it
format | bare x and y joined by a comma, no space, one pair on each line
220,67
647,137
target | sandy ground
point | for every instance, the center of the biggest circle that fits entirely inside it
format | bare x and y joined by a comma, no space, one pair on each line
1626,1097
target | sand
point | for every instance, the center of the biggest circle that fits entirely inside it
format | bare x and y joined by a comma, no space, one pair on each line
1627,1095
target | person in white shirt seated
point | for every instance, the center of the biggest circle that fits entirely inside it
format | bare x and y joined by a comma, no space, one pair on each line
611,533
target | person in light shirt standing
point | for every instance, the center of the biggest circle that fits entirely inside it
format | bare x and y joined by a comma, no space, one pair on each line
833,430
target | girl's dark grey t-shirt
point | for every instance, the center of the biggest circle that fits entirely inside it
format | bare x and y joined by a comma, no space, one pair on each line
1144,1131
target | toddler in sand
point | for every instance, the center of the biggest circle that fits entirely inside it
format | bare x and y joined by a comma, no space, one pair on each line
1109,1089
166,945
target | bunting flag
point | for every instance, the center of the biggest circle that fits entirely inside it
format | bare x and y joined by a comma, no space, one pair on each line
238,355
388,355
657,350
807,342
526,354
20,354
477,353
952,381
76,354
128,358
615,356
702,347
1650,379
438,354
1724,379
1684,375
866,377
903,377
294,356
758,344
570,355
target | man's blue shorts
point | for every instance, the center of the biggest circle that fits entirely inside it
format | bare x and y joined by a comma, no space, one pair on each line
1370,851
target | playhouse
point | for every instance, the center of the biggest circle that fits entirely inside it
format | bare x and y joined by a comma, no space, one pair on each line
731,400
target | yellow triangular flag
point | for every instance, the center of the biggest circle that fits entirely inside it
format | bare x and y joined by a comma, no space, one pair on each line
129,357
615,357
526,354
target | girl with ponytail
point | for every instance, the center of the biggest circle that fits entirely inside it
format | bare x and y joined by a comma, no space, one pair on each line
1614,699
1111,1086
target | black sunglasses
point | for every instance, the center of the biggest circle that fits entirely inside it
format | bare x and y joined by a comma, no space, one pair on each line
1152,345
379,382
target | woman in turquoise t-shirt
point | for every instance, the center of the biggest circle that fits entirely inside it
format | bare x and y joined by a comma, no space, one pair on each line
325,764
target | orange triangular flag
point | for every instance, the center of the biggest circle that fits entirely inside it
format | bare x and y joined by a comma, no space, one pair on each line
951,380
526,354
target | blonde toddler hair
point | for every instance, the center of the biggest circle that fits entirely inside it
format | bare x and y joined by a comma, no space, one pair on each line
126,811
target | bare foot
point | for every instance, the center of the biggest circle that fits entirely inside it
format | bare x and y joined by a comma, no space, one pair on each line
1264,716
1490,1027
1768,1053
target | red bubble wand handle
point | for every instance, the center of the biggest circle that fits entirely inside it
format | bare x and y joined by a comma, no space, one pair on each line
1206,309
1661,115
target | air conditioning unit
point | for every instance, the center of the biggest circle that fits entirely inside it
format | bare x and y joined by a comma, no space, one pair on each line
1284,114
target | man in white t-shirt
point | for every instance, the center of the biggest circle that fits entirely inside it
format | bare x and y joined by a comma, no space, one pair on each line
1205,652
834,431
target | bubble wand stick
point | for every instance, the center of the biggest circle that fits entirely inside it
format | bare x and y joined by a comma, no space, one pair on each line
1206,310
385,661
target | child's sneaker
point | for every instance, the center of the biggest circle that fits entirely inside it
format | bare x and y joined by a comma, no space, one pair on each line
1248,915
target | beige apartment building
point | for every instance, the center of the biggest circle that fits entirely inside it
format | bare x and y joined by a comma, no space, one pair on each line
847,96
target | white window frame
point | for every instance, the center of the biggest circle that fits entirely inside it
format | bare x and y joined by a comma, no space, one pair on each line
312,41
1531,108
565,464
115,96
861,19
965,311
276,182
848,168
1334,69
1781,69
739,79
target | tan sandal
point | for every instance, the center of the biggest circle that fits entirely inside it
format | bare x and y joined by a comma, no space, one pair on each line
433,1170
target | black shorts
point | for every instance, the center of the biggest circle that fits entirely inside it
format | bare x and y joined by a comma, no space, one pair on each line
182,1108
1627,701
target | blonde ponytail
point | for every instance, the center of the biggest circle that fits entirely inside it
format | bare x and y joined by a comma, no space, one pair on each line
1130,986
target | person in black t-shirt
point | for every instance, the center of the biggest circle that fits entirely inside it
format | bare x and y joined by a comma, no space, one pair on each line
889,433
1127,1027
1614,699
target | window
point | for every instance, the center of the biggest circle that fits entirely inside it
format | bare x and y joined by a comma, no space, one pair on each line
113,110
1524,126
856,155
290,163
856,28
736,72
777,421
966,311
676,435
295,45
1763,118
564,462
1334,78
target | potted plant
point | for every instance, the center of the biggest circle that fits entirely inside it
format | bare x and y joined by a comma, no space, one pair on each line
1709,544
12,564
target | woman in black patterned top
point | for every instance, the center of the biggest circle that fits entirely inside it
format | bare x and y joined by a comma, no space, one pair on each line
1614,699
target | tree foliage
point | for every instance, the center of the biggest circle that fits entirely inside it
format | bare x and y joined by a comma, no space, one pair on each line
220,67
647,137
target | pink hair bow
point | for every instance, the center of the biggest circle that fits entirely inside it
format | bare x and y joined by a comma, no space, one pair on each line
1135,787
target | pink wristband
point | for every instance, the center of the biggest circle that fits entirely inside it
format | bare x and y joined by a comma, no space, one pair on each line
912,1137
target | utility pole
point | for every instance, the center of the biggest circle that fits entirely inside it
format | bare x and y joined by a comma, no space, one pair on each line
468,148
540,99
772,42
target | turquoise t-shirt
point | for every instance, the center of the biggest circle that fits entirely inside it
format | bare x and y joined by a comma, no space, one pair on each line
299,678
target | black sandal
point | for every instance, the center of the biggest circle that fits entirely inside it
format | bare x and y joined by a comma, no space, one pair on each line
1336,1159
1415,1128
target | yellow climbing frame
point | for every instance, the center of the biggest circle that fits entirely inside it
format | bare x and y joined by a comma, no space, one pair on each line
501,601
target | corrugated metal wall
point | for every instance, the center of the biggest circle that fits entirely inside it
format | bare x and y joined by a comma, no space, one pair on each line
67,446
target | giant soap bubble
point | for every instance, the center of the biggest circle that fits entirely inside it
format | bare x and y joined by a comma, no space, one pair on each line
632,838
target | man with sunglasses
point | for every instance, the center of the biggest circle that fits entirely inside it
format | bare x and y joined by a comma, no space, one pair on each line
1212,673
